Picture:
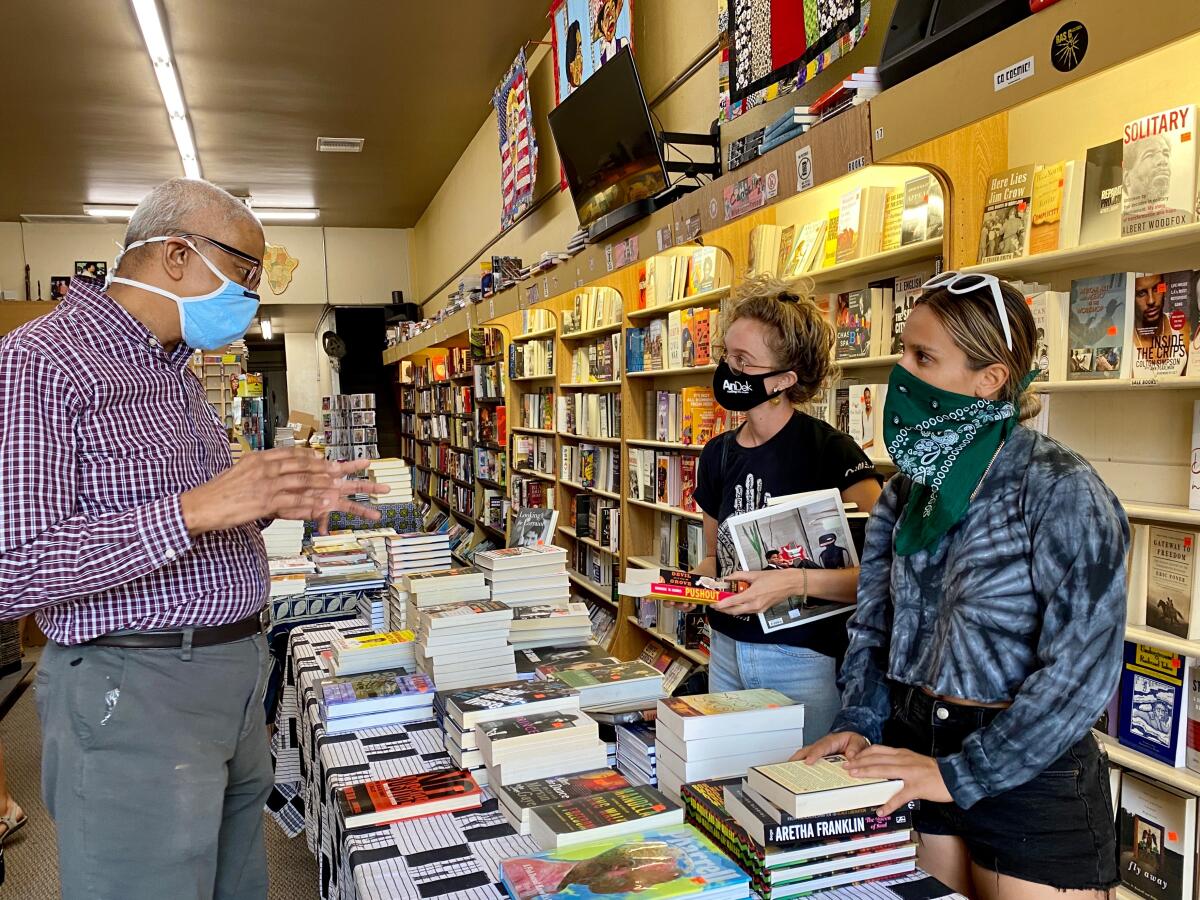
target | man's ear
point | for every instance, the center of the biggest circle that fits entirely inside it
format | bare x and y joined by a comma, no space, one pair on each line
174,258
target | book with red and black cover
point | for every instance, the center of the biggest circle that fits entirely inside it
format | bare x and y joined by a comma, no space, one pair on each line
688,587
524,796
499,739
468,707
600,816
407,797
529,660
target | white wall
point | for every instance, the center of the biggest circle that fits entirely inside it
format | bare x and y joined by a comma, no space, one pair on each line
303,373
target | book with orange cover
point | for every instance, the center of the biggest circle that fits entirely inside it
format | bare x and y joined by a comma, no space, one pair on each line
408,797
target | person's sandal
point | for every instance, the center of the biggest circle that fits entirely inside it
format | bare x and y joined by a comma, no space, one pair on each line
11,826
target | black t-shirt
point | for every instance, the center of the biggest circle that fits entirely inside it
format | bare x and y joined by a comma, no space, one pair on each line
806,455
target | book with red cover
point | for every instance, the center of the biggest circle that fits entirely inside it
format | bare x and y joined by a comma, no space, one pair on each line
687,587
408,797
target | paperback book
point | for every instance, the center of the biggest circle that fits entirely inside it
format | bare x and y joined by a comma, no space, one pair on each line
1154,703
1156,827
1158,164
1099,323
598,816
407,797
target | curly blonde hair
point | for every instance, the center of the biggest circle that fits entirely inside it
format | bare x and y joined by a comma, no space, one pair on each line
799,333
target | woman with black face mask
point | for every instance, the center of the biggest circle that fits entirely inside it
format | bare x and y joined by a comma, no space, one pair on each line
777,354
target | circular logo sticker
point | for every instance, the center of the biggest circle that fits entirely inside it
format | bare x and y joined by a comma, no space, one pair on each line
1069,46
712,208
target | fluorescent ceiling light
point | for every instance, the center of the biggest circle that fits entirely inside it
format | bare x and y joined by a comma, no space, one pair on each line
155,36
109,212
285,215
264,325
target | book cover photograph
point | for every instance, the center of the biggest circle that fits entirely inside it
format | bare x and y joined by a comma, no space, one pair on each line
1171,581
923,214
407,796
1158,170
905,294
1101,215
544,791
1098,325
1006,216
1156,828
533,526
1162,323
853,324
1153,707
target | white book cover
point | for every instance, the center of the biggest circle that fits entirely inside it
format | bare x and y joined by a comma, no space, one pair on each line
864,406
1156,825
1049,310
1158,167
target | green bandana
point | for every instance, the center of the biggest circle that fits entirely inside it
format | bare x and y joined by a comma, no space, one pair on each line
945,443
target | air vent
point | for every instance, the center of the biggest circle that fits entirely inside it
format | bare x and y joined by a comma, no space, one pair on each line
340,145
39,219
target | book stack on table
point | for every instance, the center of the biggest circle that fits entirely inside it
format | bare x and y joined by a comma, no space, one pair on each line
462,711
411,553
289,575
373,652
550,624
465,644
397,475
530,658
439,587
539,745
797,829
718,735
585,819
283,538
637,753
608,684
408,797
521,576
374,700
518,801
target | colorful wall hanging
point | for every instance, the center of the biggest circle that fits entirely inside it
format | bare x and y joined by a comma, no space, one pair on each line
518,143
278,266
772,47
585,35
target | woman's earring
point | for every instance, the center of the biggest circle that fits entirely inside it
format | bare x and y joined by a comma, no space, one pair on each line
774,401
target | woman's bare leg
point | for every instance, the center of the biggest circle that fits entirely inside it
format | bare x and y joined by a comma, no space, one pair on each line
993,886
946,858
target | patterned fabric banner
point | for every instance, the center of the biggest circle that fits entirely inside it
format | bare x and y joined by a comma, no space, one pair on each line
518,143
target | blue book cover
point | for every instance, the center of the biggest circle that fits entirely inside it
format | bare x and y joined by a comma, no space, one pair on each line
782,137
1153,709
650,865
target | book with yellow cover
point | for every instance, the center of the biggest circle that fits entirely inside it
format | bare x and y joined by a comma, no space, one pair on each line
893,215
831,240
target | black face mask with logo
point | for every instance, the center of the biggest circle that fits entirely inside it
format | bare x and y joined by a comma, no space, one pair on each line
741,392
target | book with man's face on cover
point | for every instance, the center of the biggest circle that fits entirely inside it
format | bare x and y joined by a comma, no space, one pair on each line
1158,171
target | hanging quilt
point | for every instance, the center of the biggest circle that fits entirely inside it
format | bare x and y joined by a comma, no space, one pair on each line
772,47
585,35
518,143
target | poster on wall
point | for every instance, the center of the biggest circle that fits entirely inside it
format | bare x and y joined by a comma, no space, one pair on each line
585,35
518,144
278,265
770,48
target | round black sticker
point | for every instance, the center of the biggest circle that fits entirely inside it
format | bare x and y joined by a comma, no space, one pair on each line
1069,46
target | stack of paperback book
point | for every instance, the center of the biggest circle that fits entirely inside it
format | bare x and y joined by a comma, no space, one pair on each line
518,801
539,745
283,538
520,576
373,652
289,575
550,624
465,644
637,753
407,797
608,684
718,735
345,556
676,862
828,836
462,711
408,554
529,659
396,474
420,590
374,700
612,814
373,607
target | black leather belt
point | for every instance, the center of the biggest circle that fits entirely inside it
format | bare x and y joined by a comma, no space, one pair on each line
201,637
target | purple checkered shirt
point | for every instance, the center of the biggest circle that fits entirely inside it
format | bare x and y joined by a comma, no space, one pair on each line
101,431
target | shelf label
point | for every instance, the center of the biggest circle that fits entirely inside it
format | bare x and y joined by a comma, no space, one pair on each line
879,133
491,307
1013,74
855,164
608,256
546,287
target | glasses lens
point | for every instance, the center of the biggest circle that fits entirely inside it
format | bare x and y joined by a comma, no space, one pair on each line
969,282
733,365
939,280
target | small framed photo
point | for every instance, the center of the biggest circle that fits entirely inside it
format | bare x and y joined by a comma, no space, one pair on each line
59,285
96,268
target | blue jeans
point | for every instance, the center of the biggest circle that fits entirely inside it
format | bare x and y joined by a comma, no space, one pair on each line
805,676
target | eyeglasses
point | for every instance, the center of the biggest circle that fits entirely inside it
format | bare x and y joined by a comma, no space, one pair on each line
253,276
960,283
739,366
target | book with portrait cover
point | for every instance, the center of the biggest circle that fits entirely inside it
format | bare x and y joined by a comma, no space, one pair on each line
407,797
1171,582
1154,703
1004,233
905,294
648,865
1164,318
599,816
923,214
1156,831
1158,171
1099,326
853,322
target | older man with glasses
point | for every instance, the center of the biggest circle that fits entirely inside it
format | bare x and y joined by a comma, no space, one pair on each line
125,528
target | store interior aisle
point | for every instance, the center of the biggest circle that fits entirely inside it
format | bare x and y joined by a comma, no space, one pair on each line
32,857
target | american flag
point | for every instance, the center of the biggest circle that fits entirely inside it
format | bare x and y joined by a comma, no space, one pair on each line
518,143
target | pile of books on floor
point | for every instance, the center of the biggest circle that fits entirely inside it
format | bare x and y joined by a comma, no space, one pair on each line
676,862
284,538
374,700
637,753
718,735
520,576
461,712
550,624
414,591
797,829
373,652
465,644
608,685
408,797
397,475
408,553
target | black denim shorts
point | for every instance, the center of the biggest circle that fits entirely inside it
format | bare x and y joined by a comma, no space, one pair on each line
1058,829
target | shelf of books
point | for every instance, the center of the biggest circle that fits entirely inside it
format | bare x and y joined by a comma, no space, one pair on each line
490,433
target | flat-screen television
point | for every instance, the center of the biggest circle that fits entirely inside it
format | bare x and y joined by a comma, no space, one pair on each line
607,143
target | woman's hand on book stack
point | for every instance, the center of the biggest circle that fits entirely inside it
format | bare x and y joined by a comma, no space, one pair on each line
846,743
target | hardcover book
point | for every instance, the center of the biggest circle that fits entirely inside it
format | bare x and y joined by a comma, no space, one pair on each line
1154,703
1100,319
1171,582
1156,827
853,325
905,294
1158,167
688,587
923,214
1101,215
1004,233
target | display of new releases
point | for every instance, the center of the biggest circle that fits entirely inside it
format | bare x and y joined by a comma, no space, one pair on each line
374,699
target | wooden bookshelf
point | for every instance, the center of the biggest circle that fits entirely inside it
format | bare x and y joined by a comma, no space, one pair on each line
590,440
534,473
708,298
591,332
534,335
586,385
549,376
579,487
1184,779
545,432
665,445
670,510
666,373
878,262
694,655
591,542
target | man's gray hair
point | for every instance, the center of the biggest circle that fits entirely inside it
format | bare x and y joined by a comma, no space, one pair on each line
180,206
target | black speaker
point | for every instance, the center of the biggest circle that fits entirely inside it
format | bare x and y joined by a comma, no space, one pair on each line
923,33
402,312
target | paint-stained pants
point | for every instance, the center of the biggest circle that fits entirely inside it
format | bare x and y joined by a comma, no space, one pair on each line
155,767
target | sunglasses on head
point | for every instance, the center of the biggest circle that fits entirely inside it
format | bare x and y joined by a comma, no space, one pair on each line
966,283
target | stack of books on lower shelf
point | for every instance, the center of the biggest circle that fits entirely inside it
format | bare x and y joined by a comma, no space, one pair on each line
539,745
465,644
518,801
719,735
637,753
421,590
798,828
373,652
462,711
676,862
408,797
608,685
283,538
520,576
545,624
394,473
374,700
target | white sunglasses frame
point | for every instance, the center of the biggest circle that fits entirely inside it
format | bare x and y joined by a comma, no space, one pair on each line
949,281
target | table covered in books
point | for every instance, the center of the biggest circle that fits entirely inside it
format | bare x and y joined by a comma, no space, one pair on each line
453,855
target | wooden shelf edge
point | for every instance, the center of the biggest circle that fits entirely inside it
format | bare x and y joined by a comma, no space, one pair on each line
671,510
1155,638
1161,512
587,439
912,253
579,487
588,585
583,385
1184,779
666,445
705,299
684,370
693,655
534,335
591,332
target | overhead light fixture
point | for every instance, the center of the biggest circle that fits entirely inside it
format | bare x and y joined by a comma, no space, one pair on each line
285,215
157,46
264,325
109,212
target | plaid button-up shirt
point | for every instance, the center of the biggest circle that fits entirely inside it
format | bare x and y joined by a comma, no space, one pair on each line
101,431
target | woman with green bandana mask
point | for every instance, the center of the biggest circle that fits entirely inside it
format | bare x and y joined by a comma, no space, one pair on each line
991,614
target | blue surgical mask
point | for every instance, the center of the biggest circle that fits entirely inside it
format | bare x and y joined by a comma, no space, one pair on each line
210,320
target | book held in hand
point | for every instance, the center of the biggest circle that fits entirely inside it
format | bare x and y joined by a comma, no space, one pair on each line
687,587
407,797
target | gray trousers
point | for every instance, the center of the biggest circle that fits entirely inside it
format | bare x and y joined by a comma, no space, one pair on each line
155,767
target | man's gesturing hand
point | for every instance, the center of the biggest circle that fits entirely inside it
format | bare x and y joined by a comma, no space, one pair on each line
288,483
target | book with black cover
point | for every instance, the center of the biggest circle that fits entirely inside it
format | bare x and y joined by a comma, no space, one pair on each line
468,707
602,815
